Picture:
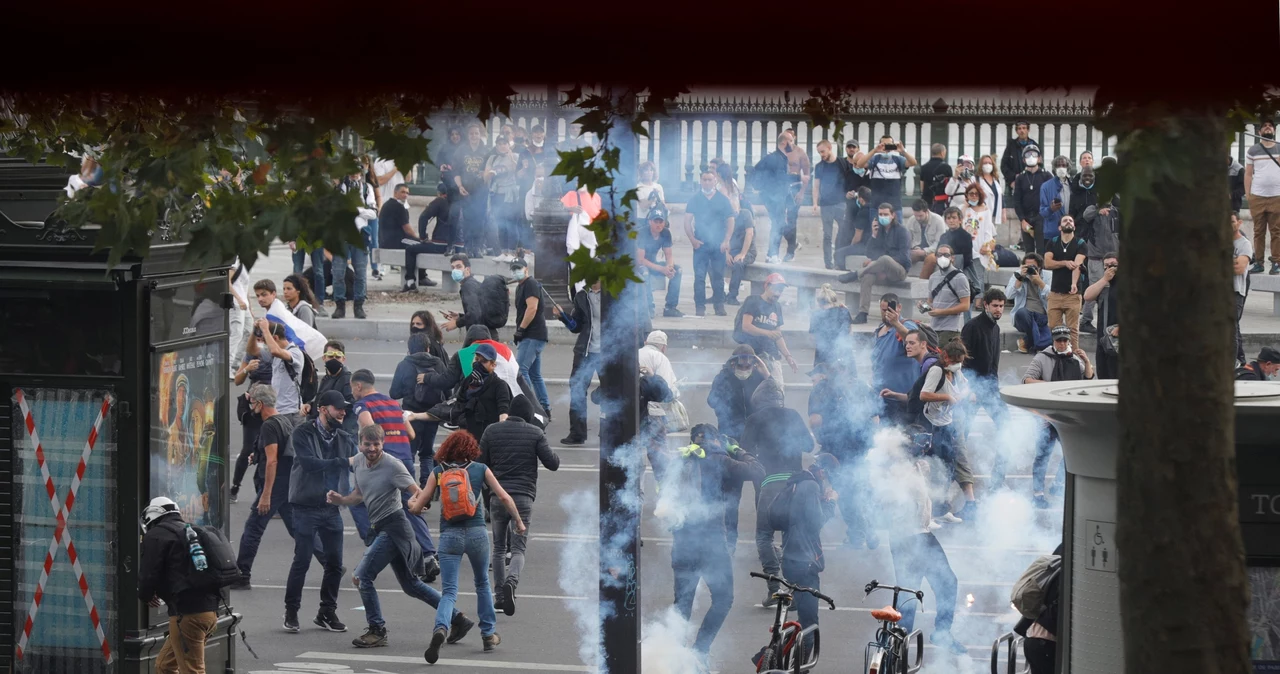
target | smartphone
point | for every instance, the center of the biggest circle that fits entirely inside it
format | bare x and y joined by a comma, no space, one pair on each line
893,306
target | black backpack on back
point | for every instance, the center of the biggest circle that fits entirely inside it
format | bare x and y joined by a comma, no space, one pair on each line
309,384
915,406
776,502
497,301
220,570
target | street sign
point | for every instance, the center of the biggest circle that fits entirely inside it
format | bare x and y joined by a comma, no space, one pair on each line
1100,546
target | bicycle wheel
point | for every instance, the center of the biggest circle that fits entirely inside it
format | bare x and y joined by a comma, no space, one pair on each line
766,660
900,656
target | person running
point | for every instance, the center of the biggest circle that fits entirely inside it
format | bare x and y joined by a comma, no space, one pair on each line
944,388
417,365
377,483
463,533
512,449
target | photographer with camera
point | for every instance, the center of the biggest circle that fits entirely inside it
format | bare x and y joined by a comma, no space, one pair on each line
1028,289
948,296
886,166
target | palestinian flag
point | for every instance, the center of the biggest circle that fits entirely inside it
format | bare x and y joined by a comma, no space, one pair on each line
507,370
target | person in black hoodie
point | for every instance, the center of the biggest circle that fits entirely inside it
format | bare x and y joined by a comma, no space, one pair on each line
512,449
731,390
404,387
1014,159
777,436
484,397
1040,645
812,504
1026,198
472,299
336,378
694,478
423,321
165,564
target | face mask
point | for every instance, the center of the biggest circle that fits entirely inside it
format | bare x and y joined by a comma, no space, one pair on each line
261,346
1061,172
742,375
1268,134
537,143
518,274
333,366
1031,161
884,221
708,191
966,174
413,329
1066,349
331,423
456,274
954,367
1086,185
860,171
988,168
944,262
477,370
973,202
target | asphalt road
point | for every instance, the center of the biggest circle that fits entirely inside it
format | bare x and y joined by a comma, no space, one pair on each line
987,557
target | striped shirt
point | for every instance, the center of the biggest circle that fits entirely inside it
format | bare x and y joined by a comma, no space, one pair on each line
388,414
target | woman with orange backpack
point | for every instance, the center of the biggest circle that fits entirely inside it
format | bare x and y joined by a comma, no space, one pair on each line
462,531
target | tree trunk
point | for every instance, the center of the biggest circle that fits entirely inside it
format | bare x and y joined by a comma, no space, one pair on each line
1183,585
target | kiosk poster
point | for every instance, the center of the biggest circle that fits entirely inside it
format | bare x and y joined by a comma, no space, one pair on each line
1264,618
186,464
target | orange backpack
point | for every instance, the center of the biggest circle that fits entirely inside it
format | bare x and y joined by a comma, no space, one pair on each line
457,500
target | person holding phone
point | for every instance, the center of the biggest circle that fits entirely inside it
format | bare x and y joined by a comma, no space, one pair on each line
886,166
1055,197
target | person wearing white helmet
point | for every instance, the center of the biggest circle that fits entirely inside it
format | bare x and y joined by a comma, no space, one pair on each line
166,562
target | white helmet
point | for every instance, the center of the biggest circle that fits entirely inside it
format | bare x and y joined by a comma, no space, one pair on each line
159,507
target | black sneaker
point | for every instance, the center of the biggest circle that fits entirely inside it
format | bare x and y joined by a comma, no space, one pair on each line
498,598
291,621
509,598
1275,269
847,277
241,585
431,569
720,310
459,628
672,313
573,441
491,641
732,301
433,649
372,638
235,493
339,309
969,512
428,282
861,318
359,313
329,620
1087,326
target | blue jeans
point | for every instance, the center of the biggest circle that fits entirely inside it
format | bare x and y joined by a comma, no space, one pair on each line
529,357
370,243
673,287
474,543
1044,450
421,531
256,525
708,261
376,558
299,261
1034,328
317,269
309,522
359,262
920,557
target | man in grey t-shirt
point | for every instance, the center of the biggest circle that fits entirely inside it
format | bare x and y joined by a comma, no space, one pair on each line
379,479
949,297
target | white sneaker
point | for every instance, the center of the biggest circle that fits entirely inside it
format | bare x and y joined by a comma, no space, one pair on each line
934,526
950,518
772,259
505,259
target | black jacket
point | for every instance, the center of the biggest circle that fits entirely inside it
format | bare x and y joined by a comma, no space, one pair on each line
770,176
165,560
444,382
341,383
582,322
776,436
1250,372
483,406
703,536
1081,199
472,303
512,450
1026,193
730,399
317,467
894,241
981,337
1011,162
933,176
404,384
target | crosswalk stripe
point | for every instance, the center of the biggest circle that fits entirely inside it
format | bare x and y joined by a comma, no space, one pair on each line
478,664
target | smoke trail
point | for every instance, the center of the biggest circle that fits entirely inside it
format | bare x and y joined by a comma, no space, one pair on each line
579,571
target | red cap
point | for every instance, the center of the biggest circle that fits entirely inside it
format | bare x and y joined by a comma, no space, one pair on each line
775,278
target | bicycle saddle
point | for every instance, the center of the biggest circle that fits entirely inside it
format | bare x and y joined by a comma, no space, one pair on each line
888,613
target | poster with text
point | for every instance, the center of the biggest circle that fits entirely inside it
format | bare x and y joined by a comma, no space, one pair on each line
1264,618
187,462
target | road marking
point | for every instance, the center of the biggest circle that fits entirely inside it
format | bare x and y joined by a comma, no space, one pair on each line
381,590
479,664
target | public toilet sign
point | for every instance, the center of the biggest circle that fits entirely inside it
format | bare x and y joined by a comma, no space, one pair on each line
1100,546
1260,504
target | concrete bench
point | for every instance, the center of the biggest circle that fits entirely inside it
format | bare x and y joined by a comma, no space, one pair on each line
1267,284
808,281
440,262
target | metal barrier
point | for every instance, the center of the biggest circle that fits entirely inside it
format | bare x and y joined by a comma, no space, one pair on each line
917,637
1015,646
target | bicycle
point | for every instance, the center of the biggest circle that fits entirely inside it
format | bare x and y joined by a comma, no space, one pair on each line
782,653
888,654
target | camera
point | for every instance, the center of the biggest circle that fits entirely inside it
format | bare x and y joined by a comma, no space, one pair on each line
924,307
1033,271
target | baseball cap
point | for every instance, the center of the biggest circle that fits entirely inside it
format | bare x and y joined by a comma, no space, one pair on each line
658,213
851,143
519,263
332,399
1269,354
1061,332
775,278
656,337
487,352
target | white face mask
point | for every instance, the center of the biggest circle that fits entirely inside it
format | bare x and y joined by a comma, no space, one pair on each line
988,168
262,346
742,374
708,191
537,143
1031,161
954,367
1061,172
944,262
1062,351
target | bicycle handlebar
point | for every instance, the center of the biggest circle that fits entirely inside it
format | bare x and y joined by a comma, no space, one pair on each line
795,588
875,585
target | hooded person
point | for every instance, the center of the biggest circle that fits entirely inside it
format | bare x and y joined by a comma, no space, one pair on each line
413,398
731,390
506,367
484,396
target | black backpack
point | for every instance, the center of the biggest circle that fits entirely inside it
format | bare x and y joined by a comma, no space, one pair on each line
221,569
776,502
309,384
497,301
915,406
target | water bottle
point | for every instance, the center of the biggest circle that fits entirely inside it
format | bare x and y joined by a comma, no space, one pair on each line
197,551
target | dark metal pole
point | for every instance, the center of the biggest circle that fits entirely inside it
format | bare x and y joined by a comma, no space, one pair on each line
619,501
551,221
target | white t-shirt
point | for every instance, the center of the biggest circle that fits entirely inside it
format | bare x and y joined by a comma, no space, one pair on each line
939,414
381,168
978,224
642,203
993,195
